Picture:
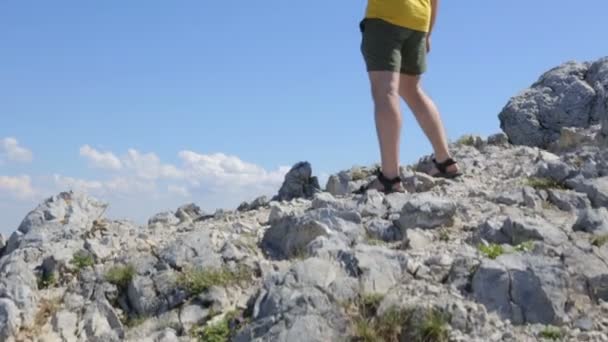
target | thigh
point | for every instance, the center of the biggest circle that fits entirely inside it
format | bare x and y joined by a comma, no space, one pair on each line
381,46
413,54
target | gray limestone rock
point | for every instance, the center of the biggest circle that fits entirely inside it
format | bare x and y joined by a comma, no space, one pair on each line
427,212
571,95
523,288
594,221
299,183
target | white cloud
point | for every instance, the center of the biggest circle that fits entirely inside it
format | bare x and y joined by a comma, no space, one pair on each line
102,160
10,147
220,170
148,166
19,187
178,190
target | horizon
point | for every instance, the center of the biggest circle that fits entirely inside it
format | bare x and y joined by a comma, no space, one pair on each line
149,106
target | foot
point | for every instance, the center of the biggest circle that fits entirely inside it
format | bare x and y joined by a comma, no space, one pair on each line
383,184
377,185
447,168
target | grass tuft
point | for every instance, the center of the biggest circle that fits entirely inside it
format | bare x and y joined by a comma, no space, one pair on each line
81,260
600,240
491,251
120,275
197,281
551,333
544,183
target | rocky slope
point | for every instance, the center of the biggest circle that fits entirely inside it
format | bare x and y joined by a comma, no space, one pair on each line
515,250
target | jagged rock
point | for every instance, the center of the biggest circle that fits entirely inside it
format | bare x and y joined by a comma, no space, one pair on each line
142,296
555,170
417,238
499,139
427,212
291,235
100,323
395,202
326,200
596,189
18,284
383,230
573,137
571,95
511,197
378,269
300,306
298,183
189,212
2,244
463,267
64,324
518,229
10,319
338,185
524,289
193,248
594,221
372,204
420,182
167,335
590,273
254,205
193,314
166,218
99,248
568,200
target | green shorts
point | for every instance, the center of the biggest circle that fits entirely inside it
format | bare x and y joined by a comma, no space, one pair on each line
388,47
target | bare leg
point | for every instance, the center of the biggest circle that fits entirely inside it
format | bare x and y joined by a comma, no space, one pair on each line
427,115
385,92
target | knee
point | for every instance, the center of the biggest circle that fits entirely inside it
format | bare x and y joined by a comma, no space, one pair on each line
385,95
410,92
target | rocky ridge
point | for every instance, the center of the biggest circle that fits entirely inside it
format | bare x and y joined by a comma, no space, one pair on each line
515,250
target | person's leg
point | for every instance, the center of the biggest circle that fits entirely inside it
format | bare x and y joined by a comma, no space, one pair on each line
381,48
412,67
427,115
387,112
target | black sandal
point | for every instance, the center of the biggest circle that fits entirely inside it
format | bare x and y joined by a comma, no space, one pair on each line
387,184
443,169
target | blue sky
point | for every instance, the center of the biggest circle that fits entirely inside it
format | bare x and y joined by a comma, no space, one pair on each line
152,104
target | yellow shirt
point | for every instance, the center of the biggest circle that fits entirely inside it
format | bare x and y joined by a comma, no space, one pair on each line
413,14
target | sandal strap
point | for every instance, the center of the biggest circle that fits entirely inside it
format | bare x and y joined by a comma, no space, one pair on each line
443,166
387,183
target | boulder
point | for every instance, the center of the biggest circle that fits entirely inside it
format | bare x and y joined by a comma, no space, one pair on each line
571,95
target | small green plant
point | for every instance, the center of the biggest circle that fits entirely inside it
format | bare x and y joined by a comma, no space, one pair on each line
467,140
47,280
369,304
444,235
120,275
525,247
390,324
434,327
133,321
81,260
544,183
217,332
491,251
197,281
600,240
372,241
551,333
366,331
